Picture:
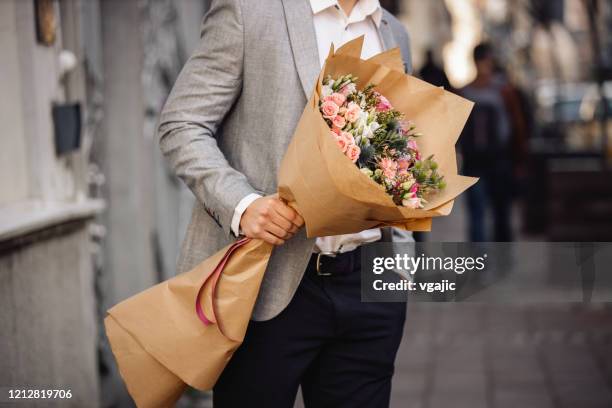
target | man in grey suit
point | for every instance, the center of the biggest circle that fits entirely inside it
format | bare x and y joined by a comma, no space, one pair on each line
224,129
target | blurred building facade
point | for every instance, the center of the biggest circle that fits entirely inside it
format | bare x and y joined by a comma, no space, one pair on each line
47,302
89,213
558,54
537,39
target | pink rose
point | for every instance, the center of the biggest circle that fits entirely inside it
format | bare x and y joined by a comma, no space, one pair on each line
349,137
338,121
352,112
338,98
352,152
383,104
414,188
342,143
329,109
348,89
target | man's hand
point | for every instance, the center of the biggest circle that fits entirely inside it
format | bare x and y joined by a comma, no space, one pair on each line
270,219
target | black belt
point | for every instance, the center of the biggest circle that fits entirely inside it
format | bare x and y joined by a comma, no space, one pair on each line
327,264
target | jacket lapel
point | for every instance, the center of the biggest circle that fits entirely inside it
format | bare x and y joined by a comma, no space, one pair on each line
298,16
389,42
386,35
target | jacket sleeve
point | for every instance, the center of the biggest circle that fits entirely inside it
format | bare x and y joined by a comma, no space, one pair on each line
402,38
203,94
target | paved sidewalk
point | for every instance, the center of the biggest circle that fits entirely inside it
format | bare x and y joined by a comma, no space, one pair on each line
503,356
468,355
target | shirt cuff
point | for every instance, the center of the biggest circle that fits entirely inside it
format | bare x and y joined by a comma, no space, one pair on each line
240,209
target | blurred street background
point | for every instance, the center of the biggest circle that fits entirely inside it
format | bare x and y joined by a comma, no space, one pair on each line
90,214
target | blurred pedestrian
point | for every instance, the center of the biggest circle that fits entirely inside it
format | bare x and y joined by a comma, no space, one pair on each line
434,74
488,147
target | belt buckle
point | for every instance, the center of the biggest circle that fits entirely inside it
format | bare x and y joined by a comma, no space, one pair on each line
319,255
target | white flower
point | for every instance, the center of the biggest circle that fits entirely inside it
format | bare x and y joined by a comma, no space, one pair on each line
351,88
367,171
362,121
362,102
368,130
326,90
414,203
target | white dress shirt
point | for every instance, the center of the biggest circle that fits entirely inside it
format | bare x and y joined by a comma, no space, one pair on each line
333,25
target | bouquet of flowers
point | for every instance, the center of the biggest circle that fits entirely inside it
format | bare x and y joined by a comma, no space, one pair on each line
378,138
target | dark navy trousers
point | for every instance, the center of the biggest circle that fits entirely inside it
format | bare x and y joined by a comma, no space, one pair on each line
339,349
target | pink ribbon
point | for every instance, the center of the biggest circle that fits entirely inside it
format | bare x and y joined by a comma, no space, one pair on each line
214,276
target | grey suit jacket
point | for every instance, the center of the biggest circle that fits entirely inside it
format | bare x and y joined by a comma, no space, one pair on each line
230,116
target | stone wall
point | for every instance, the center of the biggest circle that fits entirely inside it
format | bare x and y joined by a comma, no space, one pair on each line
47,320
48,334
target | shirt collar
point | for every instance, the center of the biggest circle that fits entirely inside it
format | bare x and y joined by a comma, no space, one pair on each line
362,10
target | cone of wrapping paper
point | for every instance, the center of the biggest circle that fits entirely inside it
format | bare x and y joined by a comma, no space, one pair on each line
161,344
330,192
184,331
